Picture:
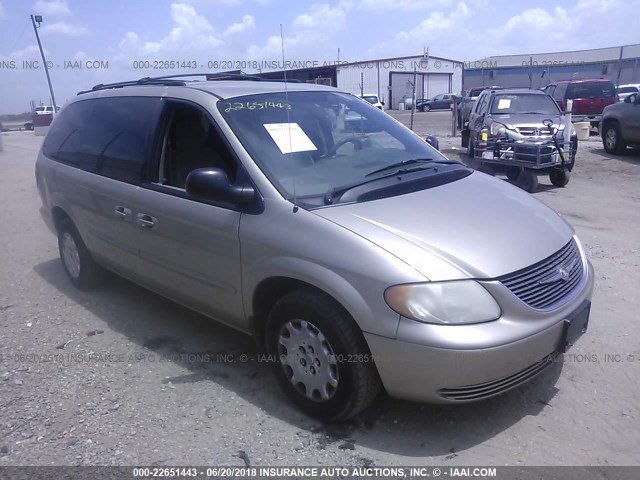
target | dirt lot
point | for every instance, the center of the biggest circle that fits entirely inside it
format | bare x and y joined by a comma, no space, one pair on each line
124,390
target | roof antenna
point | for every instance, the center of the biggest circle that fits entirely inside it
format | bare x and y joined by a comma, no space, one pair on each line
286,99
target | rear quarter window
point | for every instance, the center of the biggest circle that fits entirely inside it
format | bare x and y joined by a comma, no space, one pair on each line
107,136
591,90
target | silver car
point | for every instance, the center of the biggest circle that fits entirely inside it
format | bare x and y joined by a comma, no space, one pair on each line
357,255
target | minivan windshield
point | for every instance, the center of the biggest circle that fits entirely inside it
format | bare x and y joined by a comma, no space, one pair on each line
523,103
312,144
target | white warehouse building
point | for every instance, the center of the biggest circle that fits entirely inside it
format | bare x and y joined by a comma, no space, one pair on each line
391,79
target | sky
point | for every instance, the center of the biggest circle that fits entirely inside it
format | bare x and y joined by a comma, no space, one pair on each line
118,39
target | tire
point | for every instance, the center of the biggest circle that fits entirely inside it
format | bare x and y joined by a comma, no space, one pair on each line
471,147
612,140
81,269
528,180
559,177
321,337
513,173
426,108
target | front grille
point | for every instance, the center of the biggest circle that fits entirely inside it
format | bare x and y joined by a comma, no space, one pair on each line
495,387
549,281
541,132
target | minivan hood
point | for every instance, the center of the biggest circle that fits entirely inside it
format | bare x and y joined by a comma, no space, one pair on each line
476,227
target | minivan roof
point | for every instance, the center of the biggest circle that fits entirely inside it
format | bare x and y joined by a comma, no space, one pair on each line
584,80
220,88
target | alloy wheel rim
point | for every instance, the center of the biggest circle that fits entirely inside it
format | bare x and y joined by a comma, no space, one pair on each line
70,255
611,138
308,360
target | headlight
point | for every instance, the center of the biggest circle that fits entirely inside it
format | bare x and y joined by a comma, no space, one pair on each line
448,303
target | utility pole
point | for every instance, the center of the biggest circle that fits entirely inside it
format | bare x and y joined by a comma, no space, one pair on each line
38,19
413,97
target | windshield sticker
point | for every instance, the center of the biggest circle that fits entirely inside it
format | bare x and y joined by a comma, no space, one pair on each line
504,103
289,137
256,106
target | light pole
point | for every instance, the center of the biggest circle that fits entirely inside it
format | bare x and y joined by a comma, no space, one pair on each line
38,19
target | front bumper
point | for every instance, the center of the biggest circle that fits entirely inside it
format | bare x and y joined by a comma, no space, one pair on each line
596,117
430,363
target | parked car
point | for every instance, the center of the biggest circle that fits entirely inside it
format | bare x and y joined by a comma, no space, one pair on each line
439,102
373,99
468,101
623,91
45,110
521,133
621,124
589,98
356,259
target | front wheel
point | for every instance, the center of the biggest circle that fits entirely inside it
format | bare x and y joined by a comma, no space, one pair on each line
426,108
471,147
559,177
322,359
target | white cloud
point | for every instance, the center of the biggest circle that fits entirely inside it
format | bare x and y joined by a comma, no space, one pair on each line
322,16
30,52
53,8
468,32
313,33
385,6
191,32
439,31
63,28
248,23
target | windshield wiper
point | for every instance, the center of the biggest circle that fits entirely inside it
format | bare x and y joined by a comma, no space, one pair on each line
401,167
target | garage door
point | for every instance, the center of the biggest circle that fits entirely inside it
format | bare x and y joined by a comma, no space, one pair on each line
435,84
428,86
402,87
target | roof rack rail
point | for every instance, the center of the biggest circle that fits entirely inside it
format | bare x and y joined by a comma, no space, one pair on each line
172,80
142,81
217,76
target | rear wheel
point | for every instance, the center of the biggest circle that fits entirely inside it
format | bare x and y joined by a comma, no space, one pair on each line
559,177
528,180
612,139
322,359
83,272
512,173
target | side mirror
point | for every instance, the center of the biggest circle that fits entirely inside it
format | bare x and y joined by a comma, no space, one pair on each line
433,141
213,184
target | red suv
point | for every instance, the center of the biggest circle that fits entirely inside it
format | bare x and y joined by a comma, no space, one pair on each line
589,98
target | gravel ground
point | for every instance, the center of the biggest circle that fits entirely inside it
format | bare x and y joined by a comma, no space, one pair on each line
121,376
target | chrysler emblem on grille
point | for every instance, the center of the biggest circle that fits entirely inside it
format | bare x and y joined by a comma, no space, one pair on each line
536,132
564,274
561,274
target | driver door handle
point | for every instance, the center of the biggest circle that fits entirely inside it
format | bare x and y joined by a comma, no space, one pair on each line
147,221
122,212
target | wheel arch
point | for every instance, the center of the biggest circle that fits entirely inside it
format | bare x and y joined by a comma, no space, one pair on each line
267,290
59,215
